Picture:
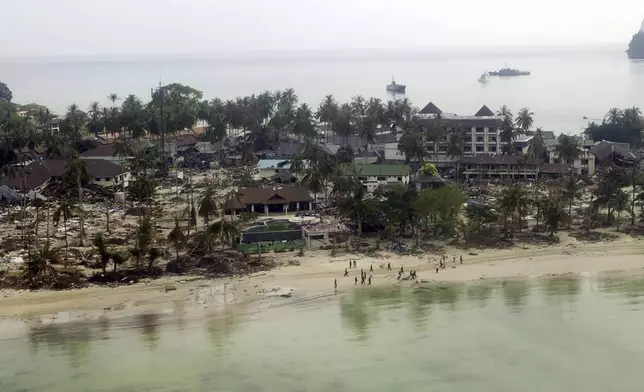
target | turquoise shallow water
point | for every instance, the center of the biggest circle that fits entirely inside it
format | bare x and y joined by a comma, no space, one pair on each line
554,335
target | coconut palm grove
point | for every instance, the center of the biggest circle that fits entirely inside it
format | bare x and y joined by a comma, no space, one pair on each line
181,183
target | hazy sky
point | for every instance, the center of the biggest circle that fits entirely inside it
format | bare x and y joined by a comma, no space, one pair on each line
72,27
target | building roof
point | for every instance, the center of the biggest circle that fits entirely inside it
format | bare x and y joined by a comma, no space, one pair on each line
548,135
38,173
376,170
430,108
605,148
104,150
385,138
182,140
355,142
274,195
484,111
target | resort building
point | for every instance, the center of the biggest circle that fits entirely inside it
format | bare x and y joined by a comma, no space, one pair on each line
270,200
508,167
373,176
480,131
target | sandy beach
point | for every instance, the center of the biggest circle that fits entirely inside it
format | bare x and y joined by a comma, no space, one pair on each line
315,277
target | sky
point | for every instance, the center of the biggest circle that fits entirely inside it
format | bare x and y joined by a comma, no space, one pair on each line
152,27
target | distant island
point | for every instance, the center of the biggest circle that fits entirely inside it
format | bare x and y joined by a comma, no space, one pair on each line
636,47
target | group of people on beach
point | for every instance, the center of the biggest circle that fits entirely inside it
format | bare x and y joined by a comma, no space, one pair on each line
366,280
443,261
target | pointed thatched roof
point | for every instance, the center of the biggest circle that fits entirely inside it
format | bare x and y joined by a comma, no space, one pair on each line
484,111
431,109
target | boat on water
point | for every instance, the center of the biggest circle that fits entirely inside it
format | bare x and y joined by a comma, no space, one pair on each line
395,87
636,47
509,72
484,78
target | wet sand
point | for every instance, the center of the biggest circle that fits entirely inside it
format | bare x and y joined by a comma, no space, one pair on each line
316,274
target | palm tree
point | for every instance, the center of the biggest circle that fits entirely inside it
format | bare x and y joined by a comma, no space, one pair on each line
571,190
40,263
412,145
524,120
620,204
76,168
113,97
177,237
536,145
103,253
455,148
327,112
513,201
614,116
65,211
358,105
95,119
226,231
553,214
356,207
567,149
207,205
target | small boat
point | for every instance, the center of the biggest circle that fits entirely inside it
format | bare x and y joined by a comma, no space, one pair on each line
485,77
509,72
396,88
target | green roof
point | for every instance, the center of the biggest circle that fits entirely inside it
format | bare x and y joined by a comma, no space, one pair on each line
376,170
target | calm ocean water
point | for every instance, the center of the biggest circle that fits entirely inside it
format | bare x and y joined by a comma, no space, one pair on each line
565,86
541,335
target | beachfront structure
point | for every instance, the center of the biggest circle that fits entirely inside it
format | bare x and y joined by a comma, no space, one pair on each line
480,131
584,164
373,176
508,167
270,200
36,175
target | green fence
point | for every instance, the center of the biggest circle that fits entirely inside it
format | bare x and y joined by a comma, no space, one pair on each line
271,246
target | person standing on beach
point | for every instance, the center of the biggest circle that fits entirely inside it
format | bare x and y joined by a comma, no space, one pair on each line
454,259
369,280
350,263
355,282
371,268
436,269
346,272
335,284
354,264
361,272
389,266
362,280
402,271
461,259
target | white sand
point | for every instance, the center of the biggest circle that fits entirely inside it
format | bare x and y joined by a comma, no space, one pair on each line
315,276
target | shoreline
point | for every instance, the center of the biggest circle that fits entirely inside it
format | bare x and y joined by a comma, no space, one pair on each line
315,277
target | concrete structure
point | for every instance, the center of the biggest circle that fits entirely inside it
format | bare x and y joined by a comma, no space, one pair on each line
508,167
584,165
105,152
373,176
481,132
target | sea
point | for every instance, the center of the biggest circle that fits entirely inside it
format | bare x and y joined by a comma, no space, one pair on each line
557,335
568,87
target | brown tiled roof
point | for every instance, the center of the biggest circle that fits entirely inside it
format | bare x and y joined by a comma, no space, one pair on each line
274,195
39,172
430,108
484,112
105,150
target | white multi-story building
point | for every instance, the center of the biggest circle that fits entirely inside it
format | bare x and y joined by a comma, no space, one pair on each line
480,131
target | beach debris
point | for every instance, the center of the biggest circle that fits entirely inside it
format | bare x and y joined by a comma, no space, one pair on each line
170,288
